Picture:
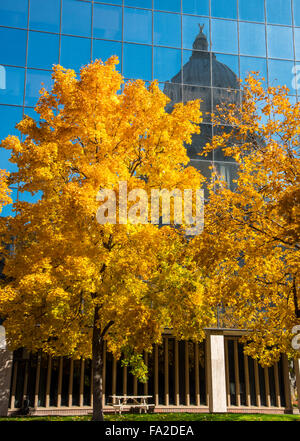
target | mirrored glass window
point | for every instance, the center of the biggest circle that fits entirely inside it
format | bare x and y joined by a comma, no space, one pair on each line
195,7
76,18
14,13
139,3
167,5
296,12
252,39
167,64
37,55
199,141
107,22
46,18
167,29
191,31
196,68
223,97
137,26
13,46
251,64
253,10
173,91
281,73
219,154
9,117
12,85
205,169
228,172
225,71
224,8
280,42
75,52
137,61
105,49
279,11
113,2
224,36
297,43
34,80
191,92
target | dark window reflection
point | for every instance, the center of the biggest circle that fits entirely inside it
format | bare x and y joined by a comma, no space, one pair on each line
197,68
225,69
228,171
199,141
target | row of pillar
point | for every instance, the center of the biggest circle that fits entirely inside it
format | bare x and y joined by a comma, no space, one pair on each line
217,380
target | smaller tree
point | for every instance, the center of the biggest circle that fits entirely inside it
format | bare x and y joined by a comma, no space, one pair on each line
252,232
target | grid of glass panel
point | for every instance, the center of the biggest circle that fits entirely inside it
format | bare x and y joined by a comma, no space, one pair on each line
153,40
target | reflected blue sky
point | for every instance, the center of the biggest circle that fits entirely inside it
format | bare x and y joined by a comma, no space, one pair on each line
253,10
46,18
149,43
279,11
137,26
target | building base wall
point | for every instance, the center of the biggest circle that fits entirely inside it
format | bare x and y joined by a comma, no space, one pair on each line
6,360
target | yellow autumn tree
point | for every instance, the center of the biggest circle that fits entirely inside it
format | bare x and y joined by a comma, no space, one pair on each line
4,190
73,283
252,231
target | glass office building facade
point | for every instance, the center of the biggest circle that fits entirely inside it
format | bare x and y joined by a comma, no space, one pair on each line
154,39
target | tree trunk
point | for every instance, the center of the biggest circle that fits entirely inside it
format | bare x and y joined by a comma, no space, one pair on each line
97,353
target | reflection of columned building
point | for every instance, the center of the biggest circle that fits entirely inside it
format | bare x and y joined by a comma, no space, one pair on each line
204,77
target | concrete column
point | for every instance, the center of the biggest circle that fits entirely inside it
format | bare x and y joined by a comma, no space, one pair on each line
6,361
297,373
216,371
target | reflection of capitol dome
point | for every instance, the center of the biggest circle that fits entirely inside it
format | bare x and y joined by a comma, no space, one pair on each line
194,81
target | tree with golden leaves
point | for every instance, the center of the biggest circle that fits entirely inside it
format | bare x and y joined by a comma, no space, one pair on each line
252,231
74,283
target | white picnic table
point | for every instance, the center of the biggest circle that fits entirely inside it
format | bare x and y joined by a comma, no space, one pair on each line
119,402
